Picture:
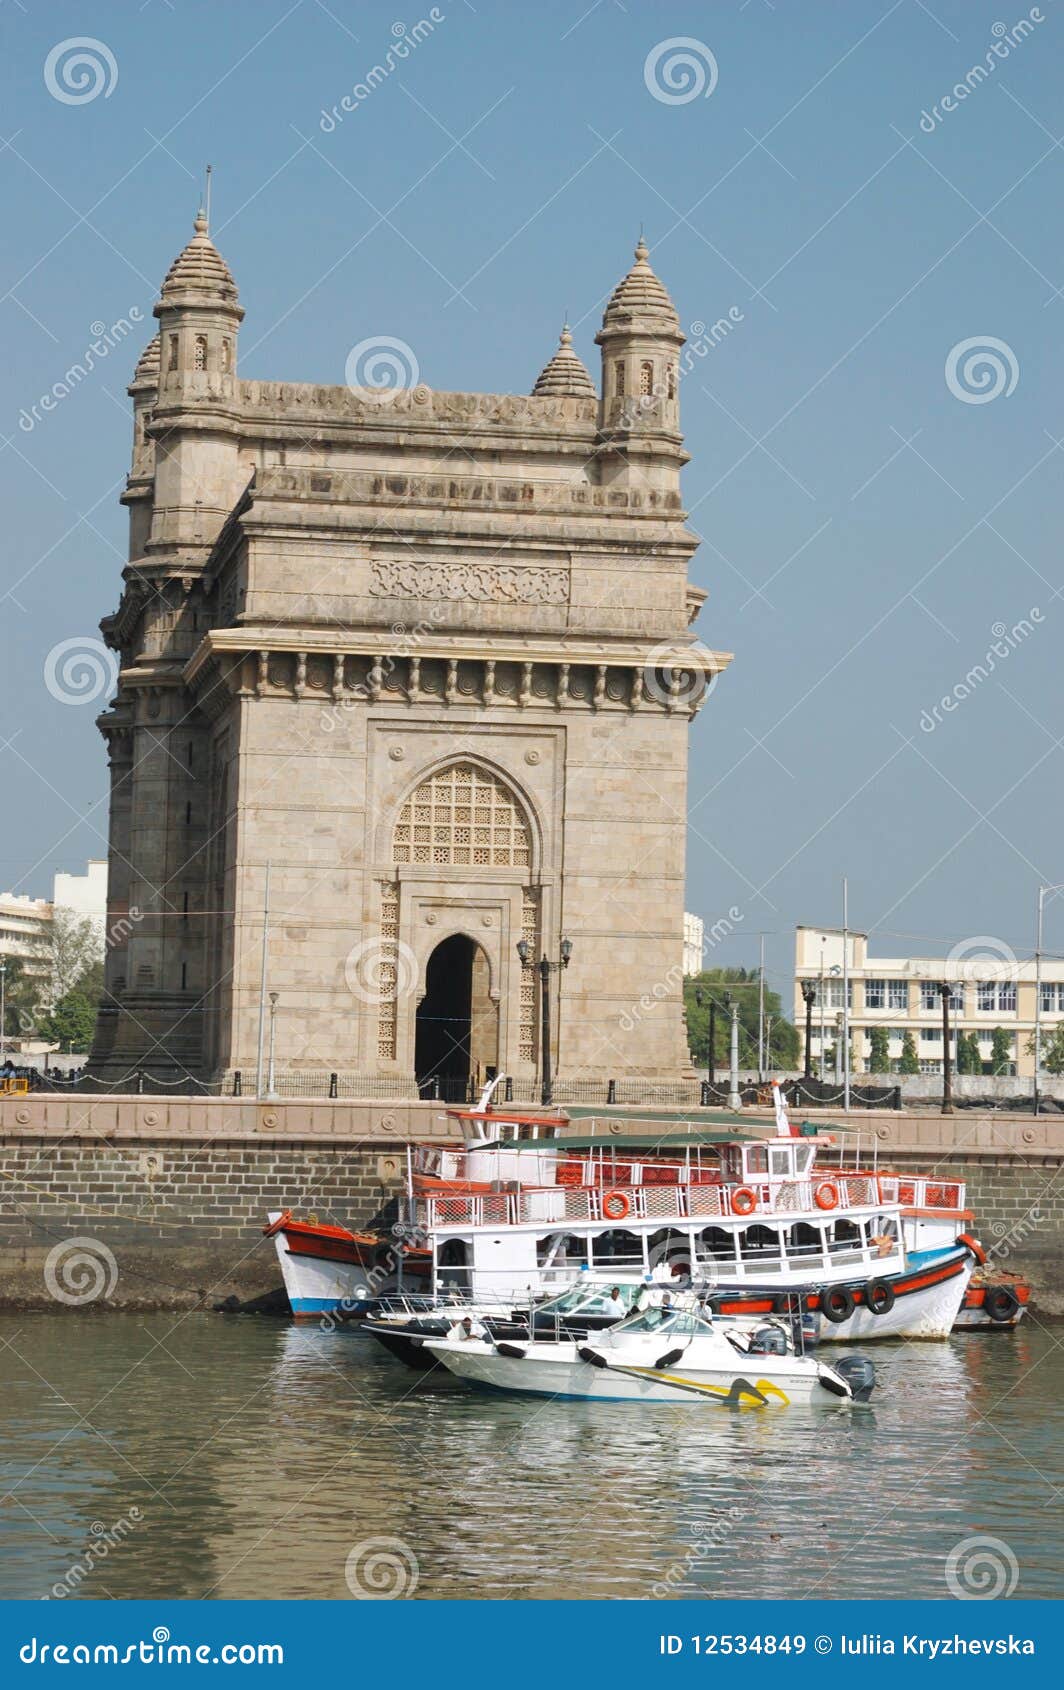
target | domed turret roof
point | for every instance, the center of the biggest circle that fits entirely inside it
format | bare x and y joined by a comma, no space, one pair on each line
641,294
147,369
200,268
566,375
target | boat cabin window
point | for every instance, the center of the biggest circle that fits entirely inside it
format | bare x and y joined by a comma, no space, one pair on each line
717,1243
804,1155
781,1161
844,1236
617,1248
758,1242
755,1159
804,1239
561,1249
591,1299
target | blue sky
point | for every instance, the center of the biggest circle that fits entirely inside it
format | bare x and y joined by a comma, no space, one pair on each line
868,525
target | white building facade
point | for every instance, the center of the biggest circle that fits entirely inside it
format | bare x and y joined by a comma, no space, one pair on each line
991,994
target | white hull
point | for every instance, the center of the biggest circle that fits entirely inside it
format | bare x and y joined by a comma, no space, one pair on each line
763,1381
931,1312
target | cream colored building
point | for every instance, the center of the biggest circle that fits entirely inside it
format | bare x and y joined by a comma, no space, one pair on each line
26,923
421,661
991,990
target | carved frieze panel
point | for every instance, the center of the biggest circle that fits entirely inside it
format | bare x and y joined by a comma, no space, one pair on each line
498,583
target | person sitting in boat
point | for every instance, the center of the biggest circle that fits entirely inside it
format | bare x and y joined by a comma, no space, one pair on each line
467,1327
616,1301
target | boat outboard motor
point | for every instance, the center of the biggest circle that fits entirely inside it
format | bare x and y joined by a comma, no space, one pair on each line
859,1374
768,1341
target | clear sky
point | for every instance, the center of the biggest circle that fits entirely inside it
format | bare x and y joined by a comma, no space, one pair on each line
874,508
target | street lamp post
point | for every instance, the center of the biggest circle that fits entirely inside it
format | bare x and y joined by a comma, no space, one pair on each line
734,1099
3,1008
270,1089
838,1048
809,994
545,968
947,1063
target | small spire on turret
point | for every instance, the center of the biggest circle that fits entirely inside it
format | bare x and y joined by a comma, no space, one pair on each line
565,375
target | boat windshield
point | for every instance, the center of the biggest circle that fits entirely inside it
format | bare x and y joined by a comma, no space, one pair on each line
681,1323
591,1299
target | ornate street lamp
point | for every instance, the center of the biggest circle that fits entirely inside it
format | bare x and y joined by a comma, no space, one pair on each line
809,995
545,969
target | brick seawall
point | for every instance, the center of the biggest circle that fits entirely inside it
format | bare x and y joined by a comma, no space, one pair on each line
177,1189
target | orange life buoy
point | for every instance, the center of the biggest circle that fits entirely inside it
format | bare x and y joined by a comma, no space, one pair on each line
826,1195
744,1200
615,1205
973,1245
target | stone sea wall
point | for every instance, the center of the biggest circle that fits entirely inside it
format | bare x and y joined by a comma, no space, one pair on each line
177,1190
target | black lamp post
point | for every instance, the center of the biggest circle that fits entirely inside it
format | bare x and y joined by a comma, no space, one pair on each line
809,994
947,1061
546,968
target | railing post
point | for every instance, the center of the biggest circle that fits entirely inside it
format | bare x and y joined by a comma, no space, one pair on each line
704,1095
332,1085
237,1084
611,1091
140,1082
508,1090
896,1104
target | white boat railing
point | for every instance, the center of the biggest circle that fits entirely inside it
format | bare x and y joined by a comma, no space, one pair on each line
773,1199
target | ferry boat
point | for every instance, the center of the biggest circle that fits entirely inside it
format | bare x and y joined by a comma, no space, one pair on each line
674,1354
518,1211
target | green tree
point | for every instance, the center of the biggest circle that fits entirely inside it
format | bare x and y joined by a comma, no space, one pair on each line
910,1062
1052,1050
878,1050
1000,1051
75,948
969,1061
742,984
23,990
70,1023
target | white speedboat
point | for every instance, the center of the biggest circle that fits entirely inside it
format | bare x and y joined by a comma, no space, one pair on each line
675,1354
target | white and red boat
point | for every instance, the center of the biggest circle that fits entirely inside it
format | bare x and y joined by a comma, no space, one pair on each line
517,1211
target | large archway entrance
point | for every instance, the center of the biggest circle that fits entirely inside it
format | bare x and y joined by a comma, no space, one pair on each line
457,1029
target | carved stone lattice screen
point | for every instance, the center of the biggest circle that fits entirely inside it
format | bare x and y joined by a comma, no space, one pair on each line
462,815
388,973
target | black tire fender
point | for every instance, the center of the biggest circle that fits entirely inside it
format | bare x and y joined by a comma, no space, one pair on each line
836,1303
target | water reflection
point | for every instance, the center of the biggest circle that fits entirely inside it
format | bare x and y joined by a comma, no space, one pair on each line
251,1456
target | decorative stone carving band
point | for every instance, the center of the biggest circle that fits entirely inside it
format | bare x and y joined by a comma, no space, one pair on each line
499,583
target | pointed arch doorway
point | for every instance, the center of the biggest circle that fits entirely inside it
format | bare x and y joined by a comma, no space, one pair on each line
456,1035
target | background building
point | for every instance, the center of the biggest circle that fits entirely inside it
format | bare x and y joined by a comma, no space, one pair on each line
992,994
694,938
26,923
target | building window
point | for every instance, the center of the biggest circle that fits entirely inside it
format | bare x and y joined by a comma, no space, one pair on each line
227,356
646,380
897,994
833,998
996,995
462,815
930,1036
618,378
875,994
931,997
200,361
1052,997
172,365
672,381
